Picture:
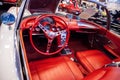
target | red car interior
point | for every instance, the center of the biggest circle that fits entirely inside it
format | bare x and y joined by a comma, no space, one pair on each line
114,44
59,68
109,73
88,58
62,67
59,40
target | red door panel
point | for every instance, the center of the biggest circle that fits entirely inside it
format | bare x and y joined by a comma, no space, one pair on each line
114,44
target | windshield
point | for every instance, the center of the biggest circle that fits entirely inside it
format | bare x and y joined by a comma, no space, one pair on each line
84,10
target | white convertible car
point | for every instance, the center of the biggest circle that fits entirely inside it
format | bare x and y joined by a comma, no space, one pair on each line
39,42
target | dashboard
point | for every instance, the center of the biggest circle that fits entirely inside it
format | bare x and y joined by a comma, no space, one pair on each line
80,25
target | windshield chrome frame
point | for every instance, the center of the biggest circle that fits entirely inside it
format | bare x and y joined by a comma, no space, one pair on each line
17,46
20,14
24,4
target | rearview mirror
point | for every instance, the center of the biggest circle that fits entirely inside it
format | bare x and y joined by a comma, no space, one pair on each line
7,18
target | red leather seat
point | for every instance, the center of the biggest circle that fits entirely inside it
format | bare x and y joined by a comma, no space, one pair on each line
62,68
93,59
108,73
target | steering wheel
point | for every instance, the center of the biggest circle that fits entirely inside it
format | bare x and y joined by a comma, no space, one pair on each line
58,29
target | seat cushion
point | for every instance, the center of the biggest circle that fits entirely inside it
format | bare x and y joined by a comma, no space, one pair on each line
93,59
60,68
108,73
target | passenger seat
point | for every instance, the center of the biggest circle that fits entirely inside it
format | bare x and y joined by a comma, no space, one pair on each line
93,59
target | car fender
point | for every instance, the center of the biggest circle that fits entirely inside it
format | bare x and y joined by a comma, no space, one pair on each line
8,66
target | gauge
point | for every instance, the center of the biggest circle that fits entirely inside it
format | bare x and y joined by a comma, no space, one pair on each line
47,27
48,19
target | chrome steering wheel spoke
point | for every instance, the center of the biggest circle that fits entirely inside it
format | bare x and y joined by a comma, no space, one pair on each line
49,45
60,32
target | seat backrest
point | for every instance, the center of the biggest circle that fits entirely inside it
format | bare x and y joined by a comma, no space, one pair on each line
107,73
60,68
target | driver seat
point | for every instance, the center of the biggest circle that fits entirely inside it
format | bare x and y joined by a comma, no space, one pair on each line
62,68
59,68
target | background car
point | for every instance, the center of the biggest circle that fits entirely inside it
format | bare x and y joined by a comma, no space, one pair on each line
9,1
71,6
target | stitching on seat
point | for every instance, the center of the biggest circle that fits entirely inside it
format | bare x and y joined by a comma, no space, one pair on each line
86,61
69,68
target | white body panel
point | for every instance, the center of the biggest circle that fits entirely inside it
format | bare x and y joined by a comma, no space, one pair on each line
8,69
7,55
